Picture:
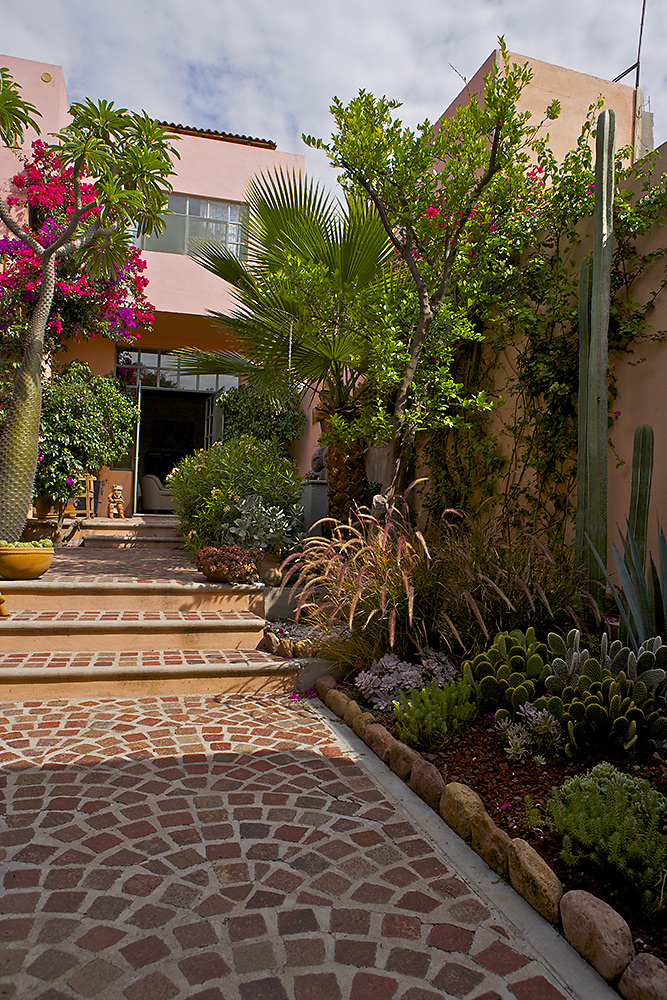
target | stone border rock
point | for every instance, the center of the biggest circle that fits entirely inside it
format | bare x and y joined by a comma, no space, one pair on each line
591,926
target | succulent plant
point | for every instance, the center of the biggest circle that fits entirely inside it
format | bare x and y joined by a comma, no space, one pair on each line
649,664
510,673
603,711
569,661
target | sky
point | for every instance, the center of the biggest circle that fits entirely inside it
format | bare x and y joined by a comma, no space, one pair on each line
271,69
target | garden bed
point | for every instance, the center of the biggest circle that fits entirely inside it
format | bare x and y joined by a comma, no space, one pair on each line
476,758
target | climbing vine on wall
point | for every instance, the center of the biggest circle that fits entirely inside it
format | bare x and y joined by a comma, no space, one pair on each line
523,451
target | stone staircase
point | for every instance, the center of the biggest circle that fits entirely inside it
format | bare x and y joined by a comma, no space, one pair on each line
113,621
141,529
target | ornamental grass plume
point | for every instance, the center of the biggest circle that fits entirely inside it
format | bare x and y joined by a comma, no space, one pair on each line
496,578
374,578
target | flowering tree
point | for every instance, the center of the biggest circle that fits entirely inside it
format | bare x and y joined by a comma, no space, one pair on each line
76,233
83,307
443,196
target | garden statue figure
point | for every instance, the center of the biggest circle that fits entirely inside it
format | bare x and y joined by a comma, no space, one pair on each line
116,505
318,465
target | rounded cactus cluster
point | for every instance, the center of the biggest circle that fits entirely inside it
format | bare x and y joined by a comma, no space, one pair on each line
510,673
603,710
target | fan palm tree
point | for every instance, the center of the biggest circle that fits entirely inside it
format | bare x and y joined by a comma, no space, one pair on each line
300,319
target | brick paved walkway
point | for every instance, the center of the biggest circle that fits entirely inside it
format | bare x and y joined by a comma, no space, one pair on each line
227,849
144,565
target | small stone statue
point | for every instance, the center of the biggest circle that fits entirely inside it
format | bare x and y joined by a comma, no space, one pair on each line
318,465
116,505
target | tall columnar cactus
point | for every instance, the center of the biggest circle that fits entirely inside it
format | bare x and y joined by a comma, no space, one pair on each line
593,361
640,496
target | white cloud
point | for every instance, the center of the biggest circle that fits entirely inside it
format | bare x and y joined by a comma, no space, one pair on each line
271,70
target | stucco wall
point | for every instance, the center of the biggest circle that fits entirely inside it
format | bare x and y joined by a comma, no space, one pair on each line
575,91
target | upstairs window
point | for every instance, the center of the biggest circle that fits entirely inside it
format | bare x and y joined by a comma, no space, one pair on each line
161,370
199,219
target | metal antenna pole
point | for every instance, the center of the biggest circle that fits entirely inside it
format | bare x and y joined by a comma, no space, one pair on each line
639,45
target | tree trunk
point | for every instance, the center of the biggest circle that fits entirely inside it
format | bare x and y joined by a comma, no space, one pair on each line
19,442
348,483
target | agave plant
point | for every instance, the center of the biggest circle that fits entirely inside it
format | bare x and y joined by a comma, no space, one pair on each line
642,601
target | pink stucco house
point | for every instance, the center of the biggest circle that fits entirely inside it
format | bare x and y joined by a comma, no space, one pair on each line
212,176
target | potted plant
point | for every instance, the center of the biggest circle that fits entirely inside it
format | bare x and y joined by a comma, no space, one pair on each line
25,560
244,492
272,530
229,563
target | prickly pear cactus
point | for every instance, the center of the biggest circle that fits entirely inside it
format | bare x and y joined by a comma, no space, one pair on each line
510,673
605,712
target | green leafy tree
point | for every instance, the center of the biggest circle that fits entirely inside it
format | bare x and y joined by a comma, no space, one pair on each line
442,194
87,421
130,156
313,271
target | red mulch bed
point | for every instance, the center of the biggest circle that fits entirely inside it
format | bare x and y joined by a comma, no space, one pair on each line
476,758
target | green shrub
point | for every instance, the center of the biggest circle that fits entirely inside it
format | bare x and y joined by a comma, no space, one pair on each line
613,821
211,486
87,421
431,717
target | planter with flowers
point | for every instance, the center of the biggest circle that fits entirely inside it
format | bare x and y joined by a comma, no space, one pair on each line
25,560
275,532
244,492
229,564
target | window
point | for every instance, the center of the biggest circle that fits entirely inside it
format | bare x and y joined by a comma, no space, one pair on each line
161,370
199,219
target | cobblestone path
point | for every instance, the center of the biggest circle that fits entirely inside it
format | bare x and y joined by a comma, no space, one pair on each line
227,849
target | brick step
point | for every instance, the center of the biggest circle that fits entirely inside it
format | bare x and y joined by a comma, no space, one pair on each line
27,631
132,539
54,594
68,674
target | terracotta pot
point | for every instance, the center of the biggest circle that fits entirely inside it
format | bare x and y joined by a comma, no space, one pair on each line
24,563
213,576
46,509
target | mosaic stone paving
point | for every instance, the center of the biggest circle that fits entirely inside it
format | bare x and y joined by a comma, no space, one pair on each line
226,848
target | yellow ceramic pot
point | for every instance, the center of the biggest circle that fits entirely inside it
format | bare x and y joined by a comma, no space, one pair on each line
27,563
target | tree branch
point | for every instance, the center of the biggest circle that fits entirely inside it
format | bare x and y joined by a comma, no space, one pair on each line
18,231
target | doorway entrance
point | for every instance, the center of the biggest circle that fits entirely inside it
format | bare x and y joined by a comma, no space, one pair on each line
178,415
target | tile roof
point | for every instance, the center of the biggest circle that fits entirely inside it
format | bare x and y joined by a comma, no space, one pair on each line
209,133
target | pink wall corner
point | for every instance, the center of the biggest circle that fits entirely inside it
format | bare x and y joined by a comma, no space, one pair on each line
49,97
575,91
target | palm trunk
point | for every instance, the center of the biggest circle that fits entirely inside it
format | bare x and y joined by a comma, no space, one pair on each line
19,442
348,482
